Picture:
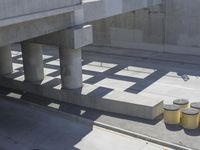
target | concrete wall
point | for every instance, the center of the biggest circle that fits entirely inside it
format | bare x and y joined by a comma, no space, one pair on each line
173,26
11,8
183,26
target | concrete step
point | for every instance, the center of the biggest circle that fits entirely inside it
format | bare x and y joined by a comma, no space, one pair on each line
91,96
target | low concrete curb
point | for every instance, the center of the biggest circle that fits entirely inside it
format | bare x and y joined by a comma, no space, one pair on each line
141,136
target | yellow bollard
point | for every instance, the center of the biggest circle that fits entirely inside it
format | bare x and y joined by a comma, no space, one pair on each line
182,103
190,118
172,114
196,105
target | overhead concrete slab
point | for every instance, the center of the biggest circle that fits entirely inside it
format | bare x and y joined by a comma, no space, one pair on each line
13,8
26,21
23,31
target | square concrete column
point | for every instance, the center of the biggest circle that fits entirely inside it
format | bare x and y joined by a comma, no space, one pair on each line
33,62
5,60
71,68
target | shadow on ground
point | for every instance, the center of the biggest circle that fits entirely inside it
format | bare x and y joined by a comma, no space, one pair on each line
134,75
27,128
98,69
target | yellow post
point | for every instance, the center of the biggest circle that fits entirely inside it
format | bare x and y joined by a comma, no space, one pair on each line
182,103
172,114
196,105
190,118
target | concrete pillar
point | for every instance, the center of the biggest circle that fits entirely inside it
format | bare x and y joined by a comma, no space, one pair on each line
5,60
71,68
33,62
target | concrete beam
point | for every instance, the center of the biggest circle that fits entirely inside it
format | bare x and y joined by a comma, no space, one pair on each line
73,38
5,60
33,62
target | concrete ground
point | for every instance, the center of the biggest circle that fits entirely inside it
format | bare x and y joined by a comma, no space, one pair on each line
163,76
155,129
159,76
28,127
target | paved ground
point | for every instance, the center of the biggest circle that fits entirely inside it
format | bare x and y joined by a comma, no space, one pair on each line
27,127
156,129
173,77
167,79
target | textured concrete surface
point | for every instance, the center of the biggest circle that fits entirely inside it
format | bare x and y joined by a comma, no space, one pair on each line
73,38
12,8
30,127
71,68
124,78
178,75
177,72
99,9
32,62
27,21
155,129
5,60
169,77
172,26
105,91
